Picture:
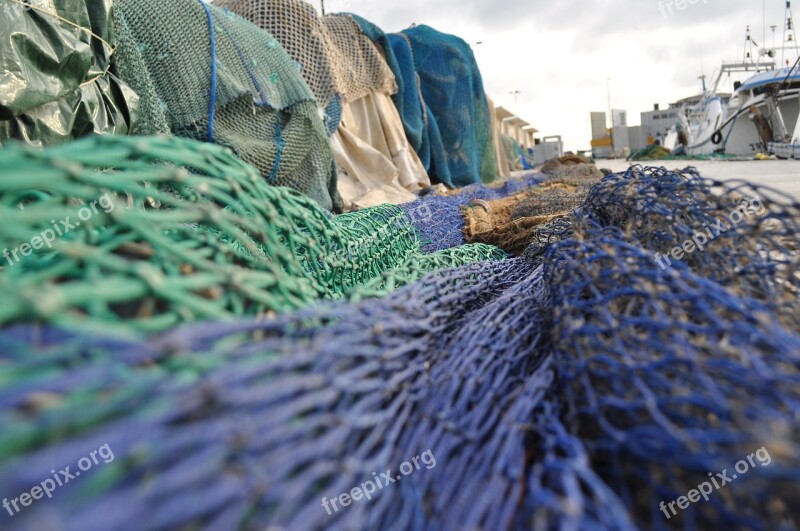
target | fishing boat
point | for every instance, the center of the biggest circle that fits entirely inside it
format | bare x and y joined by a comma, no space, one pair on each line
761,116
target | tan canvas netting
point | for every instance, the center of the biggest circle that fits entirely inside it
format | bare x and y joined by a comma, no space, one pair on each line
360,67
511,223
334,55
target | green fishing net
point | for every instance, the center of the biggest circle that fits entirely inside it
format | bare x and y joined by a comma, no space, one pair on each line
207,74
142,233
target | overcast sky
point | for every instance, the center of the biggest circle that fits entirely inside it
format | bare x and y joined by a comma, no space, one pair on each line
560,53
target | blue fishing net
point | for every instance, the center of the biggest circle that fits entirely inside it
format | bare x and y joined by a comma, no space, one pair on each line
419,123
250,425
452,87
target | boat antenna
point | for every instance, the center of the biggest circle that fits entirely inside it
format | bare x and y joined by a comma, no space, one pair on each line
786,80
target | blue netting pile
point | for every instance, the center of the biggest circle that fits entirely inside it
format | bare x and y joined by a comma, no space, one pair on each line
421,127
452,88
576,388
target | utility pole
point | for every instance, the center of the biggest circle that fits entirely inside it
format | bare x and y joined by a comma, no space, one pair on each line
515,93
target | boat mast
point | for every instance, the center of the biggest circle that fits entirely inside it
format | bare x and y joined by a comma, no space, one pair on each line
789,35
749,43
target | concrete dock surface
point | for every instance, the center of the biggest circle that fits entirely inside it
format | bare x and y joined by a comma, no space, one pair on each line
783,175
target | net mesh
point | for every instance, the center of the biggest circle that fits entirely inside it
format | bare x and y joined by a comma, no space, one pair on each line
419,123
209,75
361,68
452,87
185,231
335,57
439,219
514,223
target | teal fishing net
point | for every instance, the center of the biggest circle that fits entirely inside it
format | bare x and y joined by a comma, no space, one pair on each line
207,74
140,234
452,88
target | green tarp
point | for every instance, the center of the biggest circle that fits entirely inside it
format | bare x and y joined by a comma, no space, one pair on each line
54,78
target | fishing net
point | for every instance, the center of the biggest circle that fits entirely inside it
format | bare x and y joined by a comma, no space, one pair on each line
334,55
439,219
362,67
207,74
180,230
512,223
55,83
264,420
511,152
407,98
421,128
669,379
578,387
452,87
739,235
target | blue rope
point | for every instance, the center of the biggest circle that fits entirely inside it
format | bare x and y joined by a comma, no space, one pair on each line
213,103
280,144
262,94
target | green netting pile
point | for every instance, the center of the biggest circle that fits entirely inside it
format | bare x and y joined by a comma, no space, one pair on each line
144,233
207,74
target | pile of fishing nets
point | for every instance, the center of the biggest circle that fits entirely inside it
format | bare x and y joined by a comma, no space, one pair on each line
353,85
439,218
587,384
419,122
145,233
336,58
206,74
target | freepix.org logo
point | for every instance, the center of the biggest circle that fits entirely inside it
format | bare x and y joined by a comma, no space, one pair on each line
667,8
